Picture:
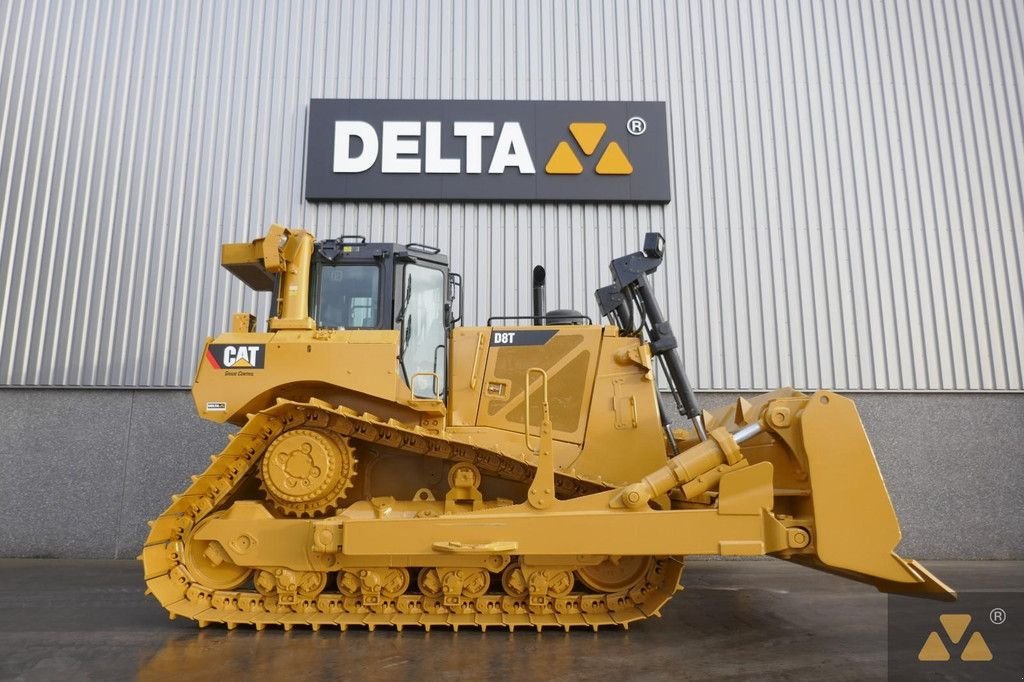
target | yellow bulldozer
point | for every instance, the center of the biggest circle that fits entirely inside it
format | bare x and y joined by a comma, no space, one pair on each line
393,467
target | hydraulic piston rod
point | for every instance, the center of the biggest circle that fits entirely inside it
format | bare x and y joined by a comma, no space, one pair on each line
663,346
696,470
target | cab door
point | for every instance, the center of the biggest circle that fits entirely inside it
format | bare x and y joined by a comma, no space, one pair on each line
423,328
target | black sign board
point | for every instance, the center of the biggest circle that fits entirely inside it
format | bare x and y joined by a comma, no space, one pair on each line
487,150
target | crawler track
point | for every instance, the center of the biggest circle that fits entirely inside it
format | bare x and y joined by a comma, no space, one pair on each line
169,580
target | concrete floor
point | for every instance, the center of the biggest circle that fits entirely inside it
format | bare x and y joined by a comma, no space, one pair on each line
72,620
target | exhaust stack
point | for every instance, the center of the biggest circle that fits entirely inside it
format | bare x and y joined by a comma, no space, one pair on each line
539,294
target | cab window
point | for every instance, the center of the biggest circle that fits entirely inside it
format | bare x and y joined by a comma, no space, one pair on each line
348,297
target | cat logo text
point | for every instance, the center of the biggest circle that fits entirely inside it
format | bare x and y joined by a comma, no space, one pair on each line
233,356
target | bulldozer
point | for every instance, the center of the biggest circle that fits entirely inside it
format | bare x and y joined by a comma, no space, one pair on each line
394,467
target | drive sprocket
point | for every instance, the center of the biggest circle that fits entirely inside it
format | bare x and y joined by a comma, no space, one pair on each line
307,472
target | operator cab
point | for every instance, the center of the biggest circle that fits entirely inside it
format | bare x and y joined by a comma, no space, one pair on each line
359,285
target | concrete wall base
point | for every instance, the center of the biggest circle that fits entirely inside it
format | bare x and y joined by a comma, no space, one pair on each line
83,470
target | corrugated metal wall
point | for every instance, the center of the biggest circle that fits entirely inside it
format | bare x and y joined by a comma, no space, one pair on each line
847,175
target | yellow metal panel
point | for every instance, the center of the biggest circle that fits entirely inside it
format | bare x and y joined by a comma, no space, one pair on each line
569,358
359,362
561,533
468,355
624,438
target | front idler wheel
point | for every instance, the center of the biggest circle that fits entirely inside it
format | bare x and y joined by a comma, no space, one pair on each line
208,563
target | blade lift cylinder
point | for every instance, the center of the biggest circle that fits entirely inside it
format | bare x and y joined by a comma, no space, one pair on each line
632,288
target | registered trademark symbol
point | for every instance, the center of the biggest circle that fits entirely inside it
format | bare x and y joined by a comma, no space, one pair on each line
997,616
636,126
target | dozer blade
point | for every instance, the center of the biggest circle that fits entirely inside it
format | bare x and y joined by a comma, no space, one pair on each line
857,529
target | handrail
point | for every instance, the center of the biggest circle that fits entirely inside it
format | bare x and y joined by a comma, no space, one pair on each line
423,248
437,382
476,359
544,386
541,494
490,320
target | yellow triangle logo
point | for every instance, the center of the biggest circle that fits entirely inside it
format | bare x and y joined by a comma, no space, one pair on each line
563,161
976,649
955,625
587,135
241,363
614,161
933,649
